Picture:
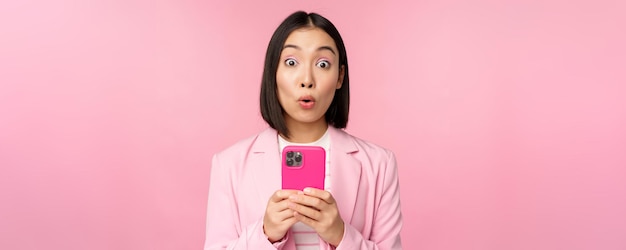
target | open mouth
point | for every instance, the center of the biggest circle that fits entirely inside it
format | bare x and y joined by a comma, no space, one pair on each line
306,99
306,102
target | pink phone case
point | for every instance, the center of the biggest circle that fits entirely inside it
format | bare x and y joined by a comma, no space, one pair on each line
309,170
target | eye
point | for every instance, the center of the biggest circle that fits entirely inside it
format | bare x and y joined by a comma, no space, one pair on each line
291,62
323,64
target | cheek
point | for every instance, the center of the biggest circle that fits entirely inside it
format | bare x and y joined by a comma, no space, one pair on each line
281,82
330,84
282,88
284,78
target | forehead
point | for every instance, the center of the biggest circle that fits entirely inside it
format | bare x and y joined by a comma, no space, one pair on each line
310,38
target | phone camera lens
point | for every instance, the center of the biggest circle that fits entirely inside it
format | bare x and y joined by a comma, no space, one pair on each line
298,158
289,162
290,154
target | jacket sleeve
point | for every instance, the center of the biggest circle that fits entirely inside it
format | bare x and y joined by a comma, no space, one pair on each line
387,219
223,227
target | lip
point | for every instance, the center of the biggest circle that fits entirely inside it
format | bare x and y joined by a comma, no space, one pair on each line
306,102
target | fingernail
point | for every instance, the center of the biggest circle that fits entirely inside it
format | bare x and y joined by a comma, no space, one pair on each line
307,190
292,197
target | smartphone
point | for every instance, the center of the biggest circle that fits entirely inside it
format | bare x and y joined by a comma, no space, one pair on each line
303,166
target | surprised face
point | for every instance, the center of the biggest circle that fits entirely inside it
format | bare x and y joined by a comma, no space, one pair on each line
307,76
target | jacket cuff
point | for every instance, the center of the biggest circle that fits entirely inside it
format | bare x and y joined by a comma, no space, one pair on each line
351,238
262,237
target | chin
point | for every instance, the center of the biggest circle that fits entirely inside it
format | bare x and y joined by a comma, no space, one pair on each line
307,119
314,120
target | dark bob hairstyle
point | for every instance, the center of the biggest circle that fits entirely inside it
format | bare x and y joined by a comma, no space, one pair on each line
272,112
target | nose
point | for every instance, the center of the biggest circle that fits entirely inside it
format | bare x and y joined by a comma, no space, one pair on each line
307,79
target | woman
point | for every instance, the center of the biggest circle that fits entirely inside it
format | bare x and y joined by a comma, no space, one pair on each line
305,101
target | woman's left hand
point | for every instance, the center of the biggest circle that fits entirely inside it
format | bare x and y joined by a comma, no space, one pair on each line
318,209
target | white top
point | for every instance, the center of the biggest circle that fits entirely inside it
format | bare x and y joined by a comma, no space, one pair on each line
305,237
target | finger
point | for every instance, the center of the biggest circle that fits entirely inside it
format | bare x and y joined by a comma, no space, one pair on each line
321,194
280,195
290,221
304,219
283,216
307,211
308,201
279,206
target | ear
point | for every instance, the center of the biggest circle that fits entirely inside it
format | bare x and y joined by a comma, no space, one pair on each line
342,73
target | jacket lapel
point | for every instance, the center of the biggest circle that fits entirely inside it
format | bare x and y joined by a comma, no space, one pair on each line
345,172
266,161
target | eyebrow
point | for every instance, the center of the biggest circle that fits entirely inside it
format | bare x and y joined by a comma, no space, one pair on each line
318,49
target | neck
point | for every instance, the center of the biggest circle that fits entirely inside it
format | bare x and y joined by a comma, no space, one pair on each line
305,132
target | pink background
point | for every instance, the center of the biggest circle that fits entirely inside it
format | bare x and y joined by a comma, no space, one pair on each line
508,118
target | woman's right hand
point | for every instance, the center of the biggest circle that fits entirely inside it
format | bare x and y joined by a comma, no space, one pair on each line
278,217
